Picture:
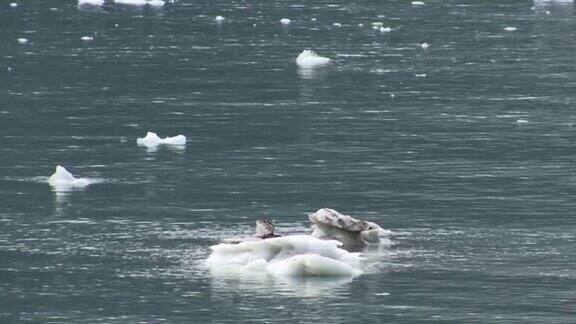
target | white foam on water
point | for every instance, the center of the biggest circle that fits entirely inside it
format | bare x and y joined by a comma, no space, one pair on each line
288,256
522,121
62,180
510,28
152,140
156,3
87,38
424,45
337,24
385,29
22,40
153,3
418,3
309,59
378,24
285,21
219,18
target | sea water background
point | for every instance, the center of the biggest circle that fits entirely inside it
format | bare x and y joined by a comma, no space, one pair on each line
472,165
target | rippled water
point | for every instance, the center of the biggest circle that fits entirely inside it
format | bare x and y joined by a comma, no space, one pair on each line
465,150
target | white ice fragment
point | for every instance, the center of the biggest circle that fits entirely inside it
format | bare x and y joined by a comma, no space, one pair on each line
62,180
22,40
385,29
378,24
293,255
96,3
420,75
152,140
360,25
309,59
312,19
510,28
13,5
424,45
219,19
156,3
87,38
131,2
337,24
418,3
522,121
285,21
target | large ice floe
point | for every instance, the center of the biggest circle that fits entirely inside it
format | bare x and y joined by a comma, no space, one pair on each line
322,254
293,255
62,180
309,59
152,140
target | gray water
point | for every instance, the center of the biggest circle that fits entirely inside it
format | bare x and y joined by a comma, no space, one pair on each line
465,150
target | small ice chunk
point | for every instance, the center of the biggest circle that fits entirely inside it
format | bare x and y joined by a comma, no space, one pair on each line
13,5
96,3
309,59
337,24
62,180
87,38
22,40
510,28
152,140
385,29
418,3
422,75
156,3
360,25
219,19
378,24
313,19
424,45
522,121
131,2
285,21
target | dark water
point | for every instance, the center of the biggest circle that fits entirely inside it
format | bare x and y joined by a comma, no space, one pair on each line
472,165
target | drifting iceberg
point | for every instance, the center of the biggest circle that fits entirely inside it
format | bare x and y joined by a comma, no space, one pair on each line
152,140
288,256
309,59
62,180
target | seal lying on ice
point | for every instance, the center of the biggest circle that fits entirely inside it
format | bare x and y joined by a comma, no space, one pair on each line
329,224
264,230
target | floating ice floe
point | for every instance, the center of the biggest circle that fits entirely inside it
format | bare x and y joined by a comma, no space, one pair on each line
219,19
285,21
378,24
510,28
97,3
293,255
337,24
22,40
309,59
153,3
63,180
424,45
352,232
418,3
152,140
13,5
87,38
522,121
360,25
385,29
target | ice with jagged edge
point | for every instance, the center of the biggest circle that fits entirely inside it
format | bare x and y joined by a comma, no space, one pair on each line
287,256
64,180
309,59
152,140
